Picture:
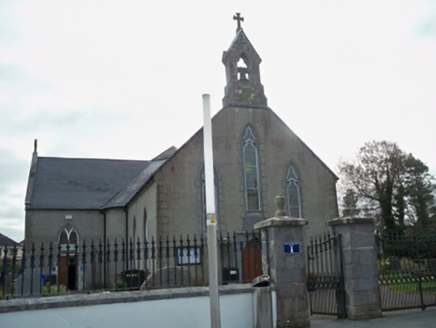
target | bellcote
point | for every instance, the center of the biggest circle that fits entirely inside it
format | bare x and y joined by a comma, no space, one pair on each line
242,73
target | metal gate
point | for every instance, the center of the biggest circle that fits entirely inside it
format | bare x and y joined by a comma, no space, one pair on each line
325,282
407,271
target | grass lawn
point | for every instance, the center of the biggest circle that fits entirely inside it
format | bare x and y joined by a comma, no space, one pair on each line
409,283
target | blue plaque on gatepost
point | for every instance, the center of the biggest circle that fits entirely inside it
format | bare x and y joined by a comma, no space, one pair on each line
291,248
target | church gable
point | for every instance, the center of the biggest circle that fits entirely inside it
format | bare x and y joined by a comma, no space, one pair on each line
256,157
278,147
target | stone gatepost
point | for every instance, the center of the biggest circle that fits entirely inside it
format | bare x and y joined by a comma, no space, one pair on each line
284,260
359,260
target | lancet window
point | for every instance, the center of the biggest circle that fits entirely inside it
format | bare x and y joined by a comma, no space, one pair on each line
293,192
250,148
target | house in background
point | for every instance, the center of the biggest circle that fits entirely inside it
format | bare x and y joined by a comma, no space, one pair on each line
9,248
11,254
256,157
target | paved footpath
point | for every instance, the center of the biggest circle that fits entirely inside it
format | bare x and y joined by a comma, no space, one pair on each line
397,319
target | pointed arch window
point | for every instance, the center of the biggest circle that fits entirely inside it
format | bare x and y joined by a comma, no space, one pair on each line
68,237
293,192
250,155
134,230
145,226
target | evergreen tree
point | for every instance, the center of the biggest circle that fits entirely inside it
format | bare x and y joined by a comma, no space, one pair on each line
419,188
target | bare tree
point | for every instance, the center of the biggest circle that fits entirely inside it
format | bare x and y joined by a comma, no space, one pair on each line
375,175
396,188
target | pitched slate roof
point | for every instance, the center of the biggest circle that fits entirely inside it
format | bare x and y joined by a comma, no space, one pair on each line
130,190
6,241
135,186
73,183
80,184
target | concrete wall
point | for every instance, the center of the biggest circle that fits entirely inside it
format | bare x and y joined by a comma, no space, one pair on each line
179,184
180,307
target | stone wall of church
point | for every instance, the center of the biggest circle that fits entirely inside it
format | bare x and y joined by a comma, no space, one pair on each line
45,225
142,214
278,148
179,181
178,191
115,225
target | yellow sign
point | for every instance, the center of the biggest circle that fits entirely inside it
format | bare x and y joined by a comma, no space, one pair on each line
211,222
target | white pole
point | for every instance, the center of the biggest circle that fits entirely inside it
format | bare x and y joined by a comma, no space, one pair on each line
215,316
208,156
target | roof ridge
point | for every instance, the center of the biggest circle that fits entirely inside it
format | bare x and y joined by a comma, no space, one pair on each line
6,241
94,159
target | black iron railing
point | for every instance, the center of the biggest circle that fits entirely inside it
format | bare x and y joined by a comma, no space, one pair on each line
407,270
53,268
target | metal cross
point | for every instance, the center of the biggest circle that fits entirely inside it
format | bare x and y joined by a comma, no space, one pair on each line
239,18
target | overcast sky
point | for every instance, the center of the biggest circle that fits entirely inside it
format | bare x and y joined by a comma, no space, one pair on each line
124,79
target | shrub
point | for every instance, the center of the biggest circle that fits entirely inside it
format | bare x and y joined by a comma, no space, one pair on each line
120,286
52,290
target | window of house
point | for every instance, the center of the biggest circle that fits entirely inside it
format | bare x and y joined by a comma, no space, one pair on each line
293,192
251,170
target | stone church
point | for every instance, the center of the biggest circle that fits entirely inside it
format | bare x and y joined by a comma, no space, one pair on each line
256,157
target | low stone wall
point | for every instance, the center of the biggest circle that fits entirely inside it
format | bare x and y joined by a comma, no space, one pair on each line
188,307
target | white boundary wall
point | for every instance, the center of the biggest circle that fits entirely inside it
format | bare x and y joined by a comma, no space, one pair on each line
189,312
